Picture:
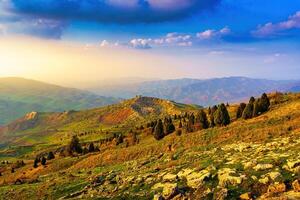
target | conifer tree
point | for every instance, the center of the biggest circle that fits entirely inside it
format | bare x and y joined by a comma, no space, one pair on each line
248,111
240,110
202,119
221,116
43,162
265,103
35,163
91,147
50,155
74,145
256,108
211,116
159,130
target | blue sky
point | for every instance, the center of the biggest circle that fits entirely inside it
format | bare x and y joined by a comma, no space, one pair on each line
250,36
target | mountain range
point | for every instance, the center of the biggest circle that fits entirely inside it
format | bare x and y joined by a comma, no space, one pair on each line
19,96
196,91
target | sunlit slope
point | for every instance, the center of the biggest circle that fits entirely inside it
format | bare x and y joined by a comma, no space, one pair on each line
19,96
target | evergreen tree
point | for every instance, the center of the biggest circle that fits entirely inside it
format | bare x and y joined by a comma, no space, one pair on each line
248,111
91,147
159,130
74,145
211,116
43,162
221,116
240,110
256,108
35,163
202,119
265,103
50,155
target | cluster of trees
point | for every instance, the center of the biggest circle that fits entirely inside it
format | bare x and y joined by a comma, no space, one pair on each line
254,108
190,122
41,160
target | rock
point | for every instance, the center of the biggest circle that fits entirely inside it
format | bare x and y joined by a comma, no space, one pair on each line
293,164
246,196
296,185
249,165
158,197
184,173
170,177
277,188
261,167
170,190
226,177
274,175
264,180
197,178
222,194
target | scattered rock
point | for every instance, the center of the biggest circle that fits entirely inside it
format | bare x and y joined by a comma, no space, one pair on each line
277,188
227,177
261,167
195,179
296,185
158,197
170,177
274,175
222,194
246,196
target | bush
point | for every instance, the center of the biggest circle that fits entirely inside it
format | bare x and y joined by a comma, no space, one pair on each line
35,163
91,147
74,145
43,161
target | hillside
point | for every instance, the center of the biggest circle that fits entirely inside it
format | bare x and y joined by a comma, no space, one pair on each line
197,91
256,158
19,96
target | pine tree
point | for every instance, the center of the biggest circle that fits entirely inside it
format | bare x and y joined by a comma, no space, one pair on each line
211,116
50,155
221,116
43,162
202,119
257,108
265,103
248,111
74,145
159,130
240,110
35,163
91,147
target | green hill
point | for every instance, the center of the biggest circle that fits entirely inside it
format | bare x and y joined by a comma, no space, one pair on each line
19,96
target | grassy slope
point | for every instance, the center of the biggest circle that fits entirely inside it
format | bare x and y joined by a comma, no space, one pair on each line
198,150
19,96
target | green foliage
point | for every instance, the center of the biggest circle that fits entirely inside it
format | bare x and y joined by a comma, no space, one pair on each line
201,118
43,161
240,110
159,130
265,103
50,156
211,115
35,163
221,116
74,145
248,111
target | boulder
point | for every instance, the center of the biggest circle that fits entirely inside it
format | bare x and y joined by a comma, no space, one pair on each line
195,179
274,175
227,177
261,167
277,188
170,177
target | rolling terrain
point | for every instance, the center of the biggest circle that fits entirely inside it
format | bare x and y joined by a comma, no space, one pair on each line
256,158
19,96
202,92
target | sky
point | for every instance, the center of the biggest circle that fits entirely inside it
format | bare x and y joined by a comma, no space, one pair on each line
76,41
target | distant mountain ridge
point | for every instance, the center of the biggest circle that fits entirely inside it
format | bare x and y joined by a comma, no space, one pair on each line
19,96
202,92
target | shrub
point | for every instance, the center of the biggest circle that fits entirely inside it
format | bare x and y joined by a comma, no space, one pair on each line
35,162
74,145
91,147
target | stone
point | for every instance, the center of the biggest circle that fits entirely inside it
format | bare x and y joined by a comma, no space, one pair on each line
170,177
170,190
261,167
226,177
249,165
264,180
274,175
184,173
245,196
222,194
277,188
296,185
158,197
195,179
293,164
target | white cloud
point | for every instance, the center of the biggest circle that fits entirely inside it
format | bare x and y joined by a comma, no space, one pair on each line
273,29
140,43
213,34
2,29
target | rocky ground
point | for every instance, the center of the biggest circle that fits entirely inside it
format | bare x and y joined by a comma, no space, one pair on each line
238,171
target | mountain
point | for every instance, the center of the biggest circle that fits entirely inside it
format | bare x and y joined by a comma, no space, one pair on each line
37,127
256,158
201,92
19,96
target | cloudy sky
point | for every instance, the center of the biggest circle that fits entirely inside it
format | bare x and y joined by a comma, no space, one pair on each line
68,41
